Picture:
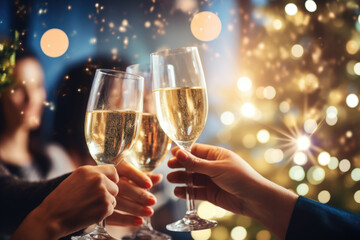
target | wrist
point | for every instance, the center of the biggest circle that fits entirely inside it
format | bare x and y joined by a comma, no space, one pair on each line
272,205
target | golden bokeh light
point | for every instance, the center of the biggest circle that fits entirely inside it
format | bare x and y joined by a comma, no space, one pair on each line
324,196
344,165
297,50
263,235
302,189
54,42
352,47
297,173
300,158
205,26
291,9
263,136
303,143
238,233
201,234
315,175
324,158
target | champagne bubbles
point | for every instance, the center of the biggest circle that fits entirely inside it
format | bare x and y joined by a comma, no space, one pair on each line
324,196
352,100
310,5
227,118
291,9
300,158
297,50
206,26
324,158
54,42
244,84
310,126
297,173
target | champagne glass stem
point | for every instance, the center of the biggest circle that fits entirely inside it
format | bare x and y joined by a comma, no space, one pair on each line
147,221
190,202
100,228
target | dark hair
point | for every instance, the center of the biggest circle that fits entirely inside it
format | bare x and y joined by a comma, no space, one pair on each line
71,101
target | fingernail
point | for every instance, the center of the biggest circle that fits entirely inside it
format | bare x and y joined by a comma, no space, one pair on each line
148,211
182,155
151,201
148,184
138,222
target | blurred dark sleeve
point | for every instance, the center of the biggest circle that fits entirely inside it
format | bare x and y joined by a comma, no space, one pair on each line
314,220
18,198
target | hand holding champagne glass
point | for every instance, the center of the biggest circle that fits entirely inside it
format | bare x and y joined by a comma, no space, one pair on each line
150,147
111,123
179,91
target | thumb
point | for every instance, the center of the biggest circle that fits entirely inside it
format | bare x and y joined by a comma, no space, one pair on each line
193,163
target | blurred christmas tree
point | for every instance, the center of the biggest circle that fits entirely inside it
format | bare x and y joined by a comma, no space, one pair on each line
295,114
7,60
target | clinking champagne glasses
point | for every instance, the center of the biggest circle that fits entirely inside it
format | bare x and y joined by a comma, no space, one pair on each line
150,147
113,115
179,91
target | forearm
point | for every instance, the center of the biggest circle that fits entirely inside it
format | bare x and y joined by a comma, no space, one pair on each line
36,226
272,205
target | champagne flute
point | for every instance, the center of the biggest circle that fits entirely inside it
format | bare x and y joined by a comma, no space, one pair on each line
179,91
150,147
113,115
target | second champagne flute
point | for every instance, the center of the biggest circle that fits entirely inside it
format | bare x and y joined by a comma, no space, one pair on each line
179,91
150,147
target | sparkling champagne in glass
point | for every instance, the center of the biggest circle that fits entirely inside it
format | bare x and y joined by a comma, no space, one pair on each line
150,147
112,119
179,90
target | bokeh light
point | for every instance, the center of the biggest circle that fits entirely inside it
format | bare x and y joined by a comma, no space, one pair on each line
352,47
273,155
263,235
302,189
355,174
331,112
205,26
300,158
324,158
310,126
324,196
334,163
297,173
303,143
344,165
357,196
269,92
284,107
201,234
227,118
291,9
357,68
221,233
238,233
206,210
244,84
263,136
315,175
54,42
248,110
310,5
297,50
249,141
352,100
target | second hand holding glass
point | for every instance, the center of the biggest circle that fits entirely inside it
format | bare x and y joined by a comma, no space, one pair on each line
150,147
179,91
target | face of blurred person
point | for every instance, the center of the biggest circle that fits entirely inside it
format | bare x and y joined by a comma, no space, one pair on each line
24,104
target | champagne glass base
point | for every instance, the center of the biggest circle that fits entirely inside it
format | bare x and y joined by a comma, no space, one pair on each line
191,223
147,234
93,236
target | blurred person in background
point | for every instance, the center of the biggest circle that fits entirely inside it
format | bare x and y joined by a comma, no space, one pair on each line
21,107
